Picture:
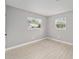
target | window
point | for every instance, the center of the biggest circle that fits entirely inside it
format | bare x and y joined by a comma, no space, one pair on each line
60,24
34,22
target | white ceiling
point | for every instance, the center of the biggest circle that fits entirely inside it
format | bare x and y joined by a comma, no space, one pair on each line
43,7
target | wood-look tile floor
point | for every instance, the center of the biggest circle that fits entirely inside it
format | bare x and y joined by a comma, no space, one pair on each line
45,49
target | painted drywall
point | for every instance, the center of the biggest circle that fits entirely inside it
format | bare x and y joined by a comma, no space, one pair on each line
18,31
64,35
17,28
43,7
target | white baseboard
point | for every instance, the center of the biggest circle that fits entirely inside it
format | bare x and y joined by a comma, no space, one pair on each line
20,45
68,43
